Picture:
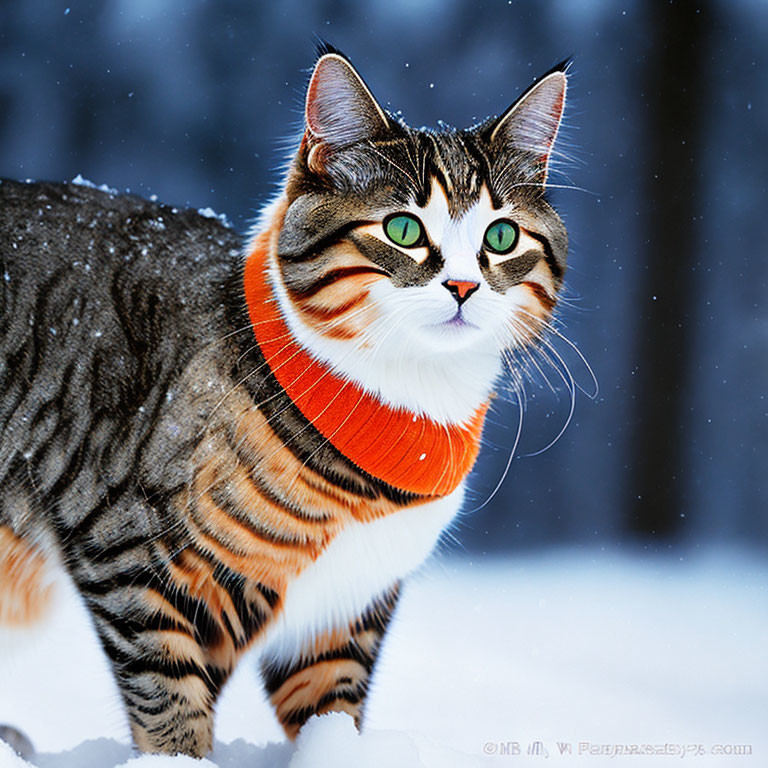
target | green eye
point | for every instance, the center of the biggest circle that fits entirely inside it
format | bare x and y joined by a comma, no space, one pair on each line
501,236
404,230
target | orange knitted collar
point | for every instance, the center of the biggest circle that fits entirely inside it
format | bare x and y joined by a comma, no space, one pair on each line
405,450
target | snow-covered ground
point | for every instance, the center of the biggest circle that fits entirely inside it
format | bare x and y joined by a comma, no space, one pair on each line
545,657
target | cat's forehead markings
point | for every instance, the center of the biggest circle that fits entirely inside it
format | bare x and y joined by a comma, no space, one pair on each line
435,215
440,225
441,167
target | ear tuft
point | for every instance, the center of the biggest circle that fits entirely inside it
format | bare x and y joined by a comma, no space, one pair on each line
531,123
323,46
340,109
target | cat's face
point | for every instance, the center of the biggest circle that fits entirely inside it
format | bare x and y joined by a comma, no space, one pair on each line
410,260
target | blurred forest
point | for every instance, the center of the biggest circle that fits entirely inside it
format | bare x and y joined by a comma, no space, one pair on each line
665,140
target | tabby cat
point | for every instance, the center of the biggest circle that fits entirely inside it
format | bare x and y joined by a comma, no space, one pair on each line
222,449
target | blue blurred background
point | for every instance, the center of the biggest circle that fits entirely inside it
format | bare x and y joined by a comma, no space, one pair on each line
665,130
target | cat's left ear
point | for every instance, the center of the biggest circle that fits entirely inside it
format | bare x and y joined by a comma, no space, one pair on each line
340,109
530,125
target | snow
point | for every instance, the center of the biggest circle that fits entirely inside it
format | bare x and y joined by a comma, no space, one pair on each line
83,182
485,658
209,213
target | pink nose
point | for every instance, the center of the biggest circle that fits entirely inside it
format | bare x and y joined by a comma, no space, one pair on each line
461,289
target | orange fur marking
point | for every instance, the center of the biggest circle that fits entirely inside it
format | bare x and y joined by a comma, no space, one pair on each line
541,294
194,574
310,685
157,604
24,595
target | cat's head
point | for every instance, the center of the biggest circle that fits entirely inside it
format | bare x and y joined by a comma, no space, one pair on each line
410,260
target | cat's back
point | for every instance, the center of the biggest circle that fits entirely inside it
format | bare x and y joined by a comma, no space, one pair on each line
104,299
57,234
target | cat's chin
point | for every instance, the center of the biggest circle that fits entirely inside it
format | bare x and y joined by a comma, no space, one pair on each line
457,334
452,336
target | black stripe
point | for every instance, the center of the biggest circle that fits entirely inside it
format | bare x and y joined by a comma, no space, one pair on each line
207,629
73,533
300,716
173,668
96,552
130,627
155,710
236,640
137,576
222,499
276,676
134,718
124,625
50,287
379,614
312,248
354,696
556,269
226,578
264,490
110,499
250,615
332,276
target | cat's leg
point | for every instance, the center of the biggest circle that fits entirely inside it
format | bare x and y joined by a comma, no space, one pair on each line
331,673
173,636
25,598
161,669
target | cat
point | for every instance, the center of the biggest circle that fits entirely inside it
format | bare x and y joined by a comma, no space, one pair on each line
225,445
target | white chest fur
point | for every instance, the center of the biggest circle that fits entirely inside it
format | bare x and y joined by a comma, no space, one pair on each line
361,563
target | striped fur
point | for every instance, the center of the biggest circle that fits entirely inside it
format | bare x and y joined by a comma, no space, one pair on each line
334,670
152,444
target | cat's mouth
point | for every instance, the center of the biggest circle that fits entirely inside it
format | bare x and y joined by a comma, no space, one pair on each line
457,321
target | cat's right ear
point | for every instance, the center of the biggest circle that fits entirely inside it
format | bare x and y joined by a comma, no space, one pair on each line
340,109
529,127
